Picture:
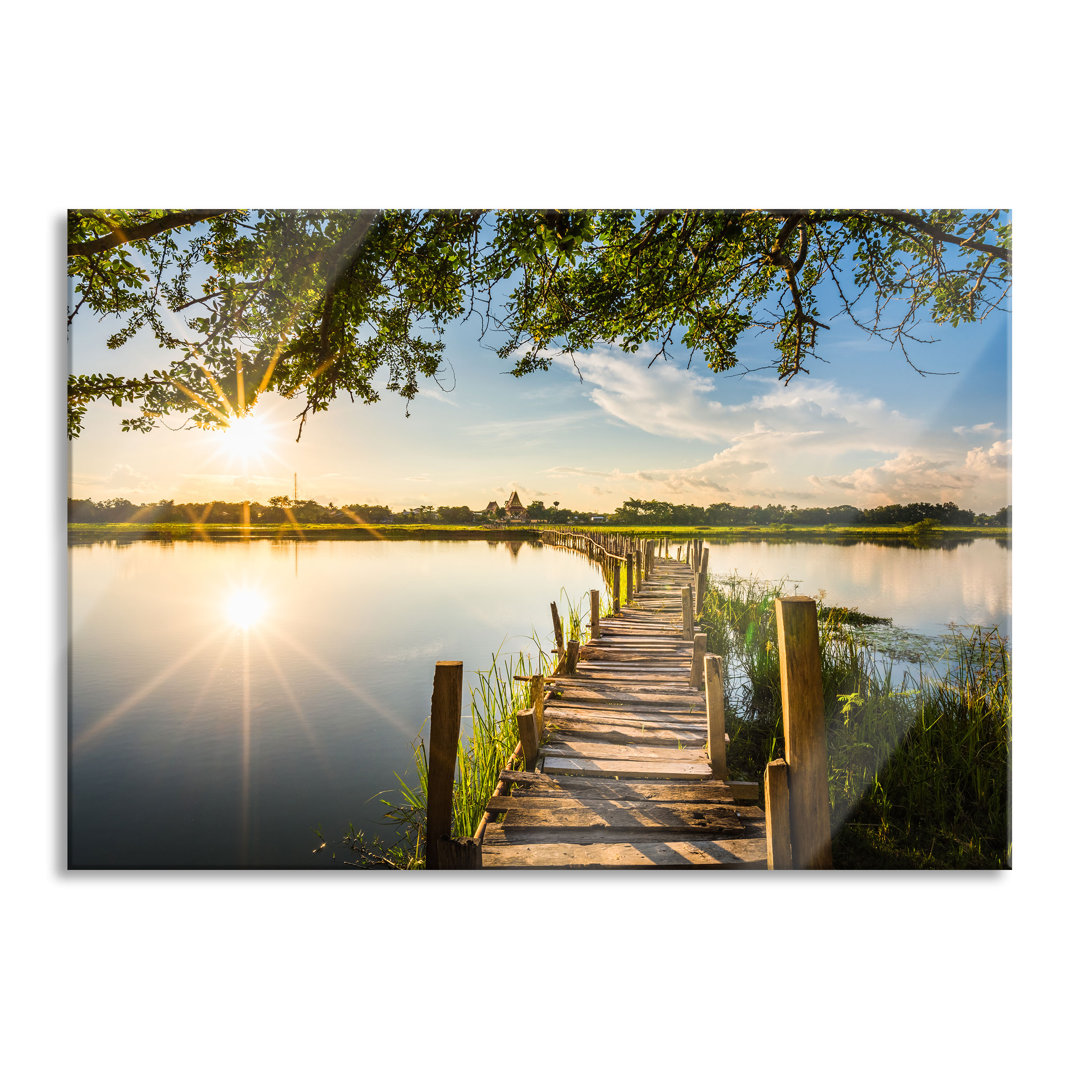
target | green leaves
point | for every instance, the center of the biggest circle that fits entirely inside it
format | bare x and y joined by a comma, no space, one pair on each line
317,303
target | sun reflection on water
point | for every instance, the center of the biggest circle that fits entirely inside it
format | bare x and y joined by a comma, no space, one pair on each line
244,607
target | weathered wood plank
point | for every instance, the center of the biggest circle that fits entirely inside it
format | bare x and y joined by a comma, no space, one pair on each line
668,855
593,748
567,800
628,833
660,770
634,735
682,790
561,815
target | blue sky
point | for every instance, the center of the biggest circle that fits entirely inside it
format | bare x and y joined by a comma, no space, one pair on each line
864,428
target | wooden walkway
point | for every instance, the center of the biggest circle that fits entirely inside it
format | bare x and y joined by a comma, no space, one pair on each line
623,779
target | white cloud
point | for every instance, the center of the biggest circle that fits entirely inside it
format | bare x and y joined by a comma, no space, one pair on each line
785,443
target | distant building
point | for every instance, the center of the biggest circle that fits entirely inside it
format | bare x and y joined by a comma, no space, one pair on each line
514,510
491,509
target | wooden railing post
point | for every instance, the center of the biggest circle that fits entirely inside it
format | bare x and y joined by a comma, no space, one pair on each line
536,696
714,713
629,575
702,578
687,615
572,648
803,700
442,754
616,585
697,661
777,816
594,613
530,737
557,623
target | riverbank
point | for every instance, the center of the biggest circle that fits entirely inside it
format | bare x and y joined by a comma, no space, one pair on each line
531,531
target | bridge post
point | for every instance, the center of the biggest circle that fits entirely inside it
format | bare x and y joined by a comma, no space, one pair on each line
442,755
594,613
803,699
697,661
714,713
557,622
536,696
687,614
777,816
616,585
530,737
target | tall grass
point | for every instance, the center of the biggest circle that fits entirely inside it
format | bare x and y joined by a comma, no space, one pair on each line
918,763
495,698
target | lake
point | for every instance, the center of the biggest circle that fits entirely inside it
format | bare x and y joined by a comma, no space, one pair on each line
228,699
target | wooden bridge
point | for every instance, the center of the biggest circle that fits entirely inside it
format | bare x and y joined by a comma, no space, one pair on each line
624,748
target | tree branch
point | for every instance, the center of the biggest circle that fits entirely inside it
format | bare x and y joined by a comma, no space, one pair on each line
118,237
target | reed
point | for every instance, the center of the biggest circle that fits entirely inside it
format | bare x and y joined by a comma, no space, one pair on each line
918,764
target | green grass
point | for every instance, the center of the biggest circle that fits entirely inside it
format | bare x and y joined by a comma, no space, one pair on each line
919,768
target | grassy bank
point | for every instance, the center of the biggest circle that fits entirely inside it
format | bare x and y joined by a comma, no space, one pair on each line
919,766
127,531
190,531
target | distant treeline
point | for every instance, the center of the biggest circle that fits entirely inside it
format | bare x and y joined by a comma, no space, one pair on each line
641,512
281,510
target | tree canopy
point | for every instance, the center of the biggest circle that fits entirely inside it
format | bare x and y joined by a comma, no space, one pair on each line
313,304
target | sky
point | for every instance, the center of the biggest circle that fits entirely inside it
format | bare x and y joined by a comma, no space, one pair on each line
861,428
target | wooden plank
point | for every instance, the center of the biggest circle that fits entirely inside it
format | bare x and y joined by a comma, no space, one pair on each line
676,691
638,721
693,713
628,833
630,735
560,815
591,748
681,790
668,855
567,800
659,770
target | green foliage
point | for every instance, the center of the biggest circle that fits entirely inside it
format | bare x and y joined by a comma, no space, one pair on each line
317,303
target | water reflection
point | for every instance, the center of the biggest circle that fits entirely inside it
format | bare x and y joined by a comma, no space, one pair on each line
227,699
246,606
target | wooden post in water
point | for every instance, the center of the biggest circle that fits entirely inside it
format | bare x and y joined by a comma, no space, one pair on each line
714,712
442,754
687,615
678,554
697,661
629,575
777,816
557,622
594,613
803,700
616,585
530,737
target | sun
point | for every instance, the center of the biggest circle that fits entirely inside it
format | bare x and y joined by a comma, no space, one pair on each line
246,436
247,440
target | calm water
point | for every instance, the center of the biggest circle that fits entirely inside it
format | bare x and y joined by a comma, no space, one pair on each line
227,699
